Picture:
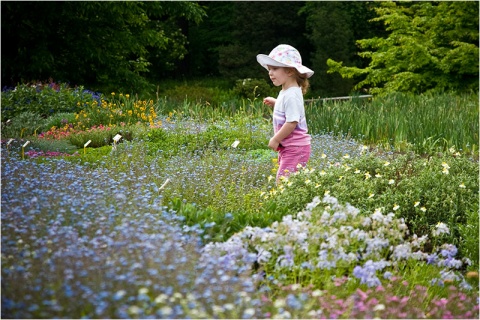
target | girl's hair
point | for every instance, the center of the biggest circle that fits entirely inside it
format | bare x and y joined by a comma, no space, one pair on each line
302,80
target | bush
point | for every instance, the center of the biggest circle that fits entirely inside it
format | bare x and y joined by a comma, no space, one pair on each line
100,136
329,243
45,99
196,94
253,88
24,124
423,191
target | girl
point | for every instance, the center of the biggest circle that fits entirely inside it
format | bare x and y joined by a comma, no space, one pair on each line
291,138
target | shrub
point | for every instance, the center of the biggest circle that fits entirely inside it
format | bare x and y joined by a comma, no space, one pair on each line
423,191
45,99
119,109
196,94
252,89
59,120
329,243
53,145
24,124
100,135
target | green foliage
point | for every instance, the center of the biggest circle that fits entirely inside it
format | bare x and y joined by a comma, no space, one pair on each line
431,46
424,123
196,94
100,136
44,99
24,124
59,120
333,27
424,191
469,236
103,45
212,137
46,145
254,29
253,88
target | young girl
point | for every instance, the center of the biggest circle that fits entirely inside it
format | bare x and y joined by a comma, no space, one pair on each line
291,138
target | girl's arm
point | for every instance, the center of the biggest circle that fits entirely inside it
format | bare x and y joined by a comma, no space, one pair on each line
286,129
269,101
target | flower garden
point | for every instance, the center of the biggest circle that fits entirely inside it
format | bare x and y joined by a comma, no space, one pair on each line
174,220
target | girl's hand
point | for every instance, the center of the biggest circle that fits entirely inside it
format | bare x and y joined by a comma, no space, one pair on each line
273,144
269,101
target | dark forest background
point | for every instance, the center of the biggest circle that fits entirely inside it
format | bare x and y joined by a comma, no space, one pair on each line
134,46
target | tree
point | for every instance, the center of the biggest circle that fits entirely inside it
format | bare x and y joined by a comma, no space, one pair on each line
430,46
333,28
100,44
258,27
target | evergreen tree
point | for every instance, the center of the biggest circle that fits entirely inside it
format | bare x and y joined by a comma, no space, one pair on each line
431,46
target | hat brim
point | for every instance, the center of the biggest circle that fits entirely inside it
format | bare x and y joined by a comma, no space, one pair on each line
266,61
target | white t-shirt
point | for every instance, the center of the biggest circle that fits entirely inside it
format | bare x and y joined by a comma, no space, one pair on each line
289,107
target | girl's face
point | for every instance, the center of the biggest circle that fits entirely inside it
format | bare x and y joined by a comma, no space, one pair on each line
281,76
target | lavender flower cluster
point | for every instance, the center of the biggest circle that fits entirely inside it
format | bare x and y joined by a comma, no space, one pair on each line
330,239
81,241
78,242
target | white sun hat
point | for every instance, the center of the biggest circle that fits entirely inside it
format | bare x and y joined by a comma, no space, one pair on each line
284,55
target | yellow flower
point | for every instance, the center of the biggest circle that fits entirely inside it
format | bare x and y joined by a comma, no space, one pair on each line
367,175
317,185
423,209
307,181
340,178
395,207
323,156
327,192
371,195
127,96
416,203
346,156
462,185
322,173
378,175
357,171
113,93
386,163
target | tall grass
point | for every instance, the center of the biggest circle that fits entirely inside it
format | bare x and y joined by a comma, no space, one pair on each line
425,123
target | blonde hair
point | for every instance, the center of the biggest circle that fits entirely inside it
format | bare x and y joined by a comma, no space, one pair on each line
302,80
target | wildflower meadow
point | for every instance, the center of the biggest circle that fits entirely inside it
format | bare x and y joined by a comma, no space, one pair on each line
120,207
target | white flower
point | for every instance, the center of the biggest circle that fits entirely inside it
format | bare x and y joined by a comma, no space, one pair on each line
315,202
143,291
391,181
379,307
441,228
